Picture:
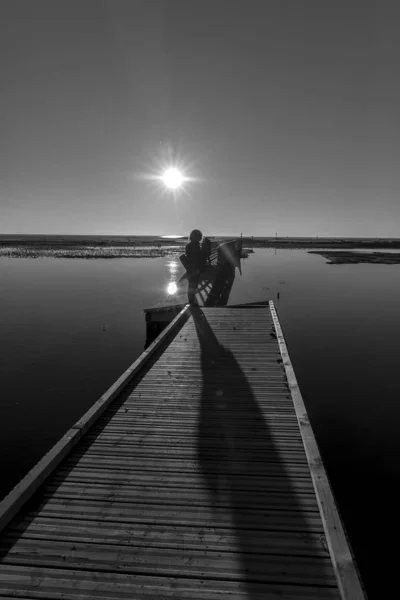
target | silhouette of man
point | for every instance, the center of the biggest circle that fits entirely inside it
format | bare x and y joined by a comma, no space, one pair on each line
194,262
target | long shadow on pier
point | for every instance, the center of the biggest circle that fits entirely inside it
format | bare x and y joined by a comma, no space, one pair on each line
245,473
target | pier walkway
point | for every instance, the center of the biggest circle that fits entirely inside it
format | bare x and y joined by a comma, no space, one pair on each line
195,476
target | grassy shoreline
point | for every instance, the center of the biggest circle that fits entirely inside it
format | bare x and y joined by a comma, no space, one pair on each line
87,252
332,243
338,257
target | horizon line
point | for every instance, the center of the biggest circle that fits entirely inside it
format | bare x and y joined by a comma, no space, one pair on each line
164,236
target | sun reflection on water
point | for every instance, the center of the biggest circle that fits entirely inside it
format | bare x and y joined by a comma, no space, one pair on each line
172,266
172,288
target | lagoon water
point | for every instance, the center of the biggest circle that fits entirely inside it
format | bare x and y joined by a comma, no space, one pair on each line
69,328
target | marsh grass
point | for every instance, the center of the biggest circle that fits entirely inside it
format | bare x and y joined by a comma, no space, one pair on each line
88,252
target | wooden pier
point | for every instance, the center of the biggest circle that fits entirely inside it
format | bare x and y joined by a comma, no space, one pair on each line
195,476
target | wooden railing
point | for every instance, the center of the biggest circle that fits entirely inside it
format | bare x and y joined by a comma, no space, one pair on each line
229,252
226,251
214,256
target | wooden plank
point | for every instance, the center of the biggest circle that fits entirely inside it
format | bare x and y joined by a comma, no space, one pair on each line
274,430
269,518
13,502
284,455
138,474
236,351
226,498
153,435
138,409
153,561
195,481
146,406
163,391
129,418
187,400
252,366
161,508
271,422
190,424
144,403
195,371
281,437
182,386
158,413
286,499
228,492
259,304
189,427
168,445
235,345
157,408
164,536
272,366
93,461
163,385
275,380
142,407
341,555
70,584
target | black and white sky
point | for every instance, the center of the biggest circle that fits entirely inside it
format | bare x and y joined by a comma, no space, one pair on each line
284,114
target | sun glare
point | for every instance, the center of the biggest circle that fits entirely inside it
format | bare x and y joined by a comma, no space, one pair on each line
172,288
173,178
170,172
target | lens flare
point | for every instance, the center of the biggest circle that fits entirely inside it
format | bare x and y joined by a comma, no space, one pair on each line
170,171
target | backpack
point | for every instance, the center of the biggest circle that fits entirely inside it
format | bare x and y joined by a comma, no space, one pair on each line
183,259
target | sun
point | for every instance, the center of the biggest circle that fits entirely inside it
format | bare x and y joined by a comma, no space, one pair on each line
172,178
170,173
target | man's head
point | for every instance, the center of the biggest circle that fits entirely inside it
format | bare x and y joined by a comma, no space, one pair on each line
195,235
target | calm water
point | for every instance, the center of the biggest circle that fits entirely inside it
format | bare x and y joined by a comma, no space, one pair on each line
69,328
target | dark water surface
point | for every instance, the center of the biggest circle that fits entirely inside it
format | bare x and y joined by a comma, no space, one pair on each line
69,328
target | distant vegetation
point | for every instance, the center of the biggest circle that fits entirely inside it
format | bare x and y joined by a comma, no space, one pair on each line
346,258
37,251
57,246
319,242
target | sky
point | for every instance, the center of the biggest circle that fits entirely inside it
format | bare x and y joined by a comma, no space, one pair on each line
283,116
